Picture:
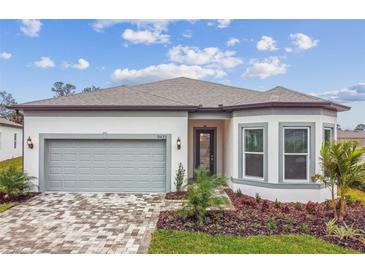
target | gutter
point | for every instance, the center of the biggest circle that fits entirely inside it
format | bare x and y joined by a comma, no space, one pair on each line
190,108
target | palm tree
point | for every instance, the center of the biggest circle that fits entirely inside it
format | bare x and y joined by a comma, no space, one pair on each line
343,167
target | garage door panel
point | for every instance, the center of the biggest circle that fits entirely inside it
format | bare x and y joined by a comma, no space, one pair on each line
106,165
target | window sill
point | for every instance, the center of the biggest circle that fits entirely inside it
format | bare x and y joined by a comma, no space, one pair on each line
264,184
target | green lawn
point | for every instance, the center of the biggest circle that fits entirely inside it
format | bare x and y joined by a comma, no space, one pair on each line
6,206
181,242
357,195
15,161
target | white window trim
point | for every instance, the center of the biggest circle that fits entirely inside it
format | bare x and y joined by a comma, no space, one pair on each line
332,133
248,152
306,154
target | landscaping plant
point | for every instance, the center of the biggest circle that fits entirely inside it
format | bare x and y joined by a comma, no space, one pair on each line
14,182
200,195
341,162
179,178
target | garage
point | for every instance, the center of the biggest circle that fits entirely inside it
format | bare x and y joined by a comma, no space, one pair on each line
105,165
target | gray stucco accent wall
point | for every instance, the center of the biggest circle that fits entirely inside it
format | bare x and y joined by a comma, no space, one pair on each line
312,160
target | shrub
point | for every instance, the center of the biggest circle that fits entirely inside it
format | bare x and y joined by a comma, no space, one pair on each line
298,206
290,221
277,203
349,200
271,224
200,196
311,207
286,209
265,205
343,232
258,198
179,178
14,182
304,228
239,193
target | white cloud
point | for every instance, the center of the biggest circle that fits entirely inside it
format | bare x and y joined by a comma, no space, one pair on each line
223,23
302,41
210,57
288,50
145,37
31,27
151,24
164,71
187,34
44,62
81,64
266,43
5,55
353,93
265,68
232,42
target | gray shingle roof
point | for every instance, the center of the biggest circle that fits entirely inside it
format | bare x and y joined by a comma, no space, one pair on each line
7,123
181,93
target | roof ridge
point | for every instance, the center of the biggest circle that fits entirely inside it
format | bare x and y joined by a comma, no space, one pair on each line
199,80
300,93
155,95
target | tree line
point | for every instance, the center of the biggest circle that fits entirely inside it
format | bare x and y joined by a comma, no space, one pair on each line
59,88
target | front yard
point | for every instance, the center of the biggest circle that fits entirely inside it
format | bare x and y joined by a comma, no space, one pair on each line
272,227
17,162
183,242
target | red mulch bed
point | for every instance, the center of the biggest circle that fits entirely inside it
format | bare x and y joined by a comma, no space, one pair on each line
19,199
175,195
264,218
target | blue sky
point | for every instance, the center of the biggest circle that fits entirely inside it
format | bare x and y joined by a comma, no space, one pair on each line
321,57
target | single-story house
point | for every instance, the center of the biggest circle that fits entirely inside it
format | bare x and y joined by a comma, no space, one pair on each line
352,135
132,138
11,139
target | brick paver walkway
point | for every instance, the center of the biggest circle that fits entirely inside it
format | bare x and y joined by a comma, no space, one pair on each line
81,223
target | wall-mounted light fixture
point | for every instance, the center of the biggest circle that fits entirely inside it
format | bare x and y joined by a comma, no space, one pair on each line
178,143
29,142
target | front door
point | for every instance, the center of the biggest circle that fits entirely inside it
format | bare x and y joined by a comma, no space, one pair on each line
205,149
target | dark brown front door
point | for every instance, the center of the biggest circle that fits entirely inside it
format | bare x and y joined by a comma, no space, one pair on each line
205,149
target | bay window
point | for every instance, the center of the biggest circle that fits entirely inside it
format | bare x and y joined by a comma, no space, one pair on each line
253,157
296,153
253,152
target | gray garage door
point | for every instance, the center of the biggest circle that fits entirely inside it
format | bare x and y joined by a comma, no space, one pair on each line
105,165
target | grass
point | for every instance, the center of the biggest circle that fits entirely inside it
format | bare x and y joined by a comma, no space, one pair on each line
357,195
181,242
15,161
6,206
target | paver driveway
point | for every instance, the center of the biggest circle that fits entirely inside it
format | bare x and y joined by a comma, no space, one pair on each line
81,223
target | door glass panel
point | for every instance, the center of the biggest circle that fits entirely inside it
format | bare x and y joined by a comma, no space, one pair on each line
205,150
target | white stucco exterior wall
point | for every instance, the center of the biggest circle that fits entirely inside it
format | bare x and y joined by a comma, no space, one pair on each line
7,150
174,123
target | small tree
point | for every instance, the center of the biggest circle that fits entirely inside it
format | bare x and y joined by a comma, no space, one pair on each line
360,127
90,89
200,195
343,167
329,177
179,178
62,89
14,182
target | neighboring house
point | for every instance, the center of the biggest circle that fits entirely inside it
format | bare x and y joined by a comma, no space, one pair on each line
349,135
11,139
132,139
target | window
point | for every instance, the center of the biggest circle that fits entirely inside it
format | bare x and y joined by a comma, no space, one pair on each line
296,153
14,140
253,152
328,134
